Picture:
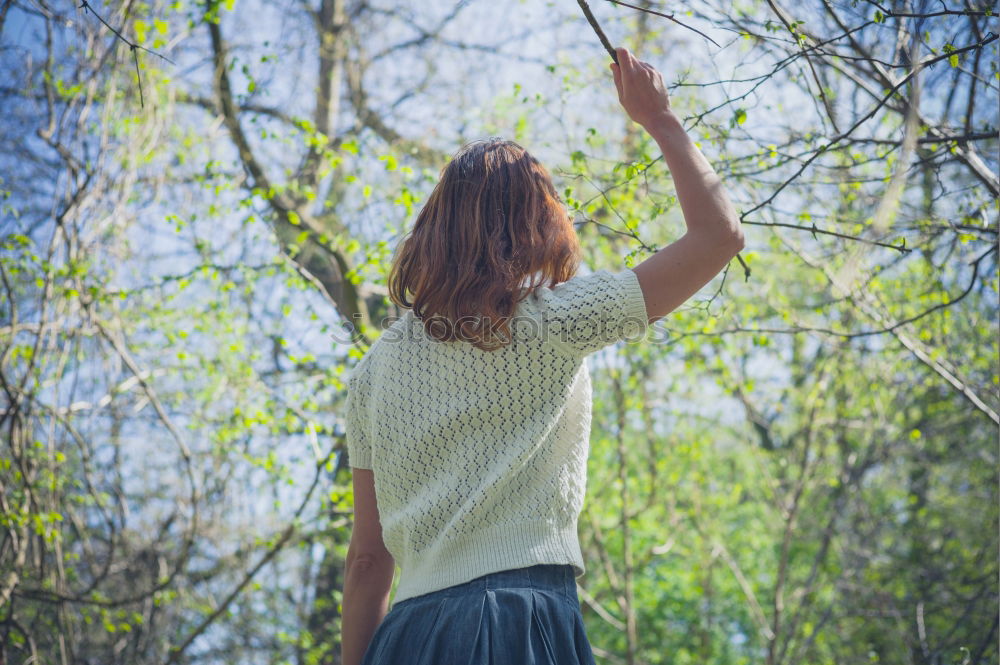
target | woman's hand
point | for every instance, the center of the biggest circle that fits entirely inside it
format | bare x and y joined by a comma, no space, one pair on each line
640,89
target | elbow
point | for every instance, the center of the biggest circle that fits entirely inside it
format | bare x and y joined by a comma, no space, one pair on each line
737,241
728,235
368,576
367,563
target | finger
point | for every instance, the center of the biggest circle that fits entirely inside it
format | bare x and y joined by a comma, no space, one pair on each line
616,71
630,69
622,54
626,64
654,74
629,62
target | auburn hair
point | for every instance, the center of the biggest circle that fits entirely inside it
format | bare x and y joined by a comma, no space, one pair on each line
492,232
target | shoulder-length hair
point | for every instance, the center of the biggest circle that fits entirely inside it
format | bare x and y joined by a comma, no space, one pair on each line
491,233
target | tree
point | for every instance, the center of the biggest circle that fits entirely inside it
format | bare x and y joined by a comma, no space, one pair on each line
186,279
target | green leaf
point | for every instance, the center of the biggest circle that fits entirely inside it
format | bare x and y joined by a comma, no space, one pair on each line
390,162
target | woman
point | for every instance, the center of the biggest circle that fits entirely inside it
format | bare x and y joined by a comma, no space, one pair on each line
468,420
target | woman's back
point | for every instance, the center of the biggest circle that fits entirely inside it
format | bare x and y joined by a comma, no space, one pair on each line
480,456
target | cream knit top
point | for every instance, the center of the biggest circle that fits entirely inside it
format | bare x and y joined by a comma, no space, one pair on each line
480,457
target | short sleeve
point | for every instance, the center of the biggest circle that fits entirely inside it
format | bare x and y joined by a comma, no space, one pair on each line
359,452
588,312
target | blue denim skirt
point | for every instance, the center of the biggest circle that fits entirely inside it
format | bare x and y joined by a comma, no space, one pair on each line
523,616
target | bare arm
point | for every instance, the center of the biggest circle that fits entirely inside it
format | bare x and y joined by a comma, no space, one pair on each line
678,271
368,574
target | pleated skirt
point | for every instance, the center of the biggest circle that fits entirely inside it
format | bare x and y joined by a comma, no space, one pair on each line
524,616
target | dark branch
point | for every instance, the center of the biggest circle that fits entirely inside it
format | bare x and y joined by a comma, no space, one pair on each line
85,6
597,28
666,16
882,102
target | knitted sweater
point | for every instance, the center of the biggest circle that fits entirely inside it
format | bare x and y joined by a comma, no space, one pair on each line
479,457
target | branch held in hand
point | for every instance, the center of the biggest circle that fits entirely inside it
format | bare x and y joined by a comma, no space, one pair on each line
85,6
597,29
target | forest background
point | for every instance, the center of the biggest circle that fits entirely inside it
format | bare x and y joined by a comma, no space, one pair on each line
799,466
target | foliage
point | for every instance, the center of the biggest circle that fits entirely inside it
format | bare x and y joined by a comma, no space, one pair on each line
798,466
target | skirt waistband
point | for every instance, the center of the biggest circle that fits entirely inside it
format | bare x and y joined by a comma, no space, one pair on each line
555,578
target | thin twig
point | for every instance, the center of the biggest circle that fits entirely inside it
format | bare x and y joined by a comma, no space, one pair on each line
597,29
991,36
666,16
85,6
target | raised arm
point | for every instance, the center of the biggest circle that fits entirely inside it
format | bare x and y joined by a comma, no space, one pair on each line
679,270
